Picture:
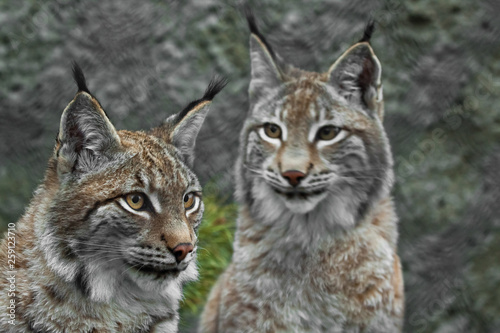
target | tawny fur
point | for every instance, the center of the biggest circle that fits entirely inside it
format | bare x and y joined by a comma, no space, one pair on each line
81,253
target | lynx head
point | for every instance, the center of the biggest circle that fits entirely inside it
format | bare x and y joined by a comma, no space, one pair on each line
313,145
122,208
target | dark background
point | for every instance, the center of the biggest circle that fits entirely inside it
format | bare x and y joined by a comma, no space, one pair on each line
146,60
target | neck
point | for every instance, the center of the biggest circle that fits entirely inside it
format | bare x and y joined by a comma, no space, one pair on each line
294,238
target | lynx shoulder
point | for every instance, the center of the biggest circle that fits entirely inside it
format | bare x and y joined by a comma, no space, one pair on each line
316,239
110,236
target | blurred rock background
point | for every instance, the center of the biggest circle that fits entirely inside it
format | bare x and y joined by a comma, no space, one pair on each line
146,60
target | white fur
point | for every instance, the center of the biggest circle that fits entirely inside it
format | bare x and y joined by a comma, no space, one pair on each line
153,197
102,282
274,141
195,207
126,206
339,137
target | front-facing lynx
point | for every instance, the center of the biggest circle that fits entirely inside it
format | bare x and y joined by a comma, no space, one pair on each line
110,236
315,246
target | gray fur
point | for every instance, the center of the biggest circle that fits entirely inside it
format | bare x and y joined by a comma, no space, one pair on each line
305,253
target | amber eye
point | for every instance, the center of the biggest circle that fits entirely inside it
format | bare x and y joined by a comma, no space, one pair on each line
272,130
328,132
189,201
136,201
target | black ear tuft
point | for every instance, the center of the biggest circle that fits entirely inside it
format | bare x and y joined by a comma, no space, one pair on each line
181,129
367,35
79,78
251,20
254,29
217,83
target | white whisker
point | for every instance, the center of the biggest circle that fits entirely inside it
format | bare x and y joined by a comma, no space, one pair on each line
256,171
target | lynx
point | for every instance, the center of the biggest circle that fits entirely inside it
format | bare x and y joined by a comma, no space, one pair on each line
315,245
111,234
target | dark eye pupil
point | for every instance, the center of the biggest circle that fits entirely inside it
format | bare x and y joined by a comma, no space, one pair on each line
135,199
326,131
186,198
273,129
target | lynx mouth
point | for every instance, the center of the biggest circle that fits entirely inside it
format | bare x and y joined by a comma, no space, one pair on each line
152,270
299,201
299,195
144,261
158,270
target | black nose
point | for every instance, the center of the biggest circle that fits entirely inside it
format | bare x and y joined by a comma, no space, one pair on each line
181,251
293,176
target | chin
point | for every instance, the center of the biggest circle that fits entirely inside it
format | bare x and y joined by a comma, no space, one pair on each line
301,203
274,204
150,279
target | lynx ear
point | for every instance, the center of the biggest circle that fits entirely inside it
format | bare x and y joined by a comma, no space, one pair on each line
356,75
181,129
86,135
266,72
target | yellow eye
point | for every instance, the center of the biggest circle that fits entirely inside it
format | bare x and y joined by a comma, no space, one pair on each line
135,201
328,132
189,201
272,130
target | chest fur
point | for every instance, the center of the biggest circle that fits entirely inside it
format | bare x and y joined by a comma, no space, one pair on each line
344,280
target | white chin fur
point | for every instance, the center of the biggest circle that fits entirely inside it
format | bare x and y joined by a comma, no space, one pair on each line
301,205
272,205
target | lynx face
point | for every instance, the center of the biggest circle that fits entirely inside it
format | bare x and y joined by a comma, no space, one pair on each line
314,144
135,218
125,207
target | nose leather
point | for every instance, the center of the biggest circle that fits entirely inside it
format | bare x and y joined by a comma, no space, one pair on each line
294,177
181,251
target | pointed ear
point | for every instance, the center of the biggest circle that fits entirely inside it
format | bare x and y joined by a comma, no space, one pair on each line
86,136
265,64
356,75
181,129
265,72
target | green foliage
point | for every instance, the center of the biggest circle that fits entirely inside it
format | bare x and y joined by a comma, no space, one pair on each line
214,253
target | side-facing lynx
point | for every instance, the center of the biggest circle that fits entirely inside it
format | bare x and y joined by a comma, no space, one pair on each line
110,236
315,246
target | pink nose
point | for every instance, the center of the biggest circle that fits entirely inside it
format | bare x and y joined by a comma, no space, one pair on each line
293,176
181,251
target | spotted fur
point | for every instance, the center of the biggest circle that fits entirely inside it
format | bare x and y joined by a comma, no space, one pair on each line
315,254
86,261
